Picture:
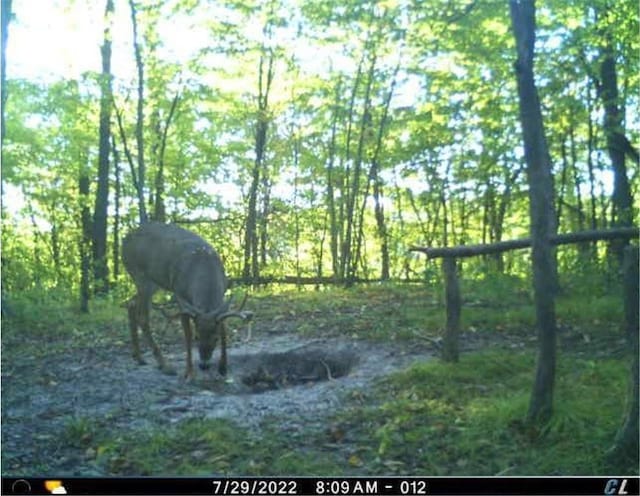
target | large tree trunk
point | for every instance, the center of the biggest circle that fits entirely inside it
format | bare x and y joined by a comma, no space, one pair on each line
100,267
616,142
541,209
625,449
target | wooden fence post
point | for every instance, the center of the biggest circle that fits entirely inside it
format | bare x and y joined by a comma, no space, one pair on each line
452,302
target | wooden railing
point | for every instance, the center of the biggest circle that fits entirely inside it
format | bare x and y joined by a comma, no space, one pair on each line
453,299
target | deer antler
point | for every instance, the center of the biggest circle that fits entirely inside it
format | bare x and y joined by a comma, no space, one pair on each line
246,315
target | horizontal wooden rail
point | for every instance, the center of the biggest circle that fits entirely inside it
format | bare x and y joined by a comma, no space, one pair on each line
453,299
516,244
315,280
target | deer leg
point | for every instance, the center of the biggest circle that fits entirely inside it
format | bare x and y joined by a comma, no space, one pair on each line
186,327
144,309
222,366
132,310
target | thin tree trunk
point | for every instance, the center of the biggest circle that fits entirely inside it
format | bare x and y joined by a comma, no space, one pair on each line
159,208
55,244
251,267
116,214
590,166
540,207
348,206
139,115
100,267
85,241
264,215
563,179
583,248
331,200
381,224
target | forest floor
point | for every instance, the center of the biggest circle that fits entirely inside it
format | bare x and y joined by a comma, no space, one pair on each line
75,403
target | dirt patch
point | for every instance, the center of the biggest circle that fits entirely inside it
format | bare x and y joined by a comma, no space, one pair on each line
51,403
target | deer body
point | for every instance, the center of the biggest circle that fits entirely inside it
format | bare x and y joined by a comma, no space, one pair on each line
169,257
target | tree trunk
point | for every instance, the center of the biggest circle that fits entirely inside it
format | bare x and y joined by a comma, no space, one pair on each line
591,137
85,241
383,232
251,267
584,249
116,215
348,205
159,209
541,209
625,448
141,176
100,267
616,143
264,215
331,200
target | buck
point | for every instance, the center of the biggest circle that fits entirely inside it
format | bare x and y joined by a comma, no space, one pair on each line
169,257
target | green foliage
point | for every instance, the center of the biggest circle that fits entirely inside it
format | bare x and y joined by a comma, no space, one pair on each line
419,103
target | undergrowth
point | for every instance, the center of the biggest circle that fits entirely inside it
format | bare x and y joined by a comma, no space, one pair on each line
431,419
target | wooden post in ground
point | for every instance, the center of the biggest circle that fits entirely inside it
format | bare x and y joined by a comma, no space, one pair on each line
450,350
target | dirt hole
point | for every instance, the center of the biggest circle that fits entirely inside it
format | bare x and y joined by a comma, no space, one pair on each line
269,371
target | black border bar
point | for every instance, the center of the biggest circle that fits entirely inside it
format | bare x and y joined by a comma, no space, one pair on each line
324,486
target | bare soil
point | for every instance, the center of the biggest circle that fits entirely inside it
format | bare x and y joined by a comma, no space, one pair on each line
53,392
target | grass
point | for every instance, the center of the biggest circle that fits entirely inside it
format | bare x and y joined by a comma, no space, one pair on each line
431,419
205,447
467,418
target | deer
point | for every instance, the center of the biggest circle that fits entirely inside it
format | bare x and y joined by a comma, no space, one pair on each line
165,256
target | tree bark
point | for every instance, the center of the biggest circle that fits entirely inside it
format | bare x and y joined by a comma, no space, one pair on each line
354,218
616,141
625,448
453,304
348,205
541,209
116,214
100,266
141,176
251,267
331,200
159,209
85,241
